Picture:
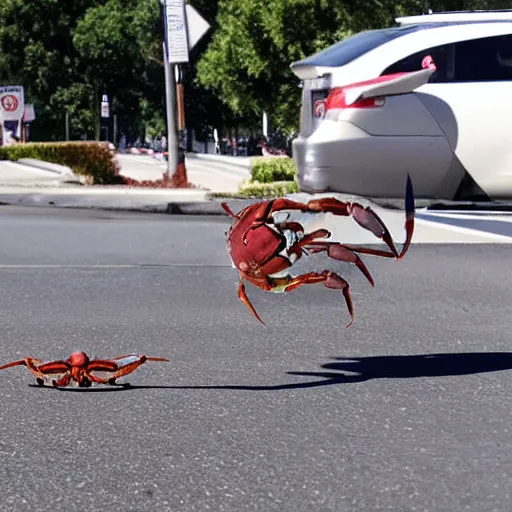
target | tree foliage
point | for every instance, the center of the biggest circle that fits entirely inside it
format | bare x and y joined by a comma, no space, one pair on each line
248,61
67,54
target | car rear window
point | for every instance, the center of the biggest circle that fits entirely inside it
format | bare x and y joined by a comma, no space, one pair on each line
354,46
357,45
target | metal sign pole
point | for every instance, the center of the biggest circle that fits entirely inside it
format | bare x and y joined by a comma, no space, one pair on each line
114,136
172,133
184,26
105,113
67,125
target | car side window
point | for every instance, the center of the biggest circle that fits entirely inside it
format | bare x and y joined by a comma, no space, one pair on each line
443,57
484,60
477,60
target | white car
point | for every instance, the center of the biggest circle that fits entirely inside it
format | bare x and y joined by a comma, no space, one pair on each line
371,113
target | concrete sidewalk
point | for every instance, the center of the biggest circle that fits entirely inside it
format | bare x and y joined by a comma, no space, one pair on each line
243,162
214,175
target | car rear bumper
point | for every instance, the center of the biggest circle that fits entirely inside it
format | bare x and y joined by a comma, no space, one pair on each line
340,157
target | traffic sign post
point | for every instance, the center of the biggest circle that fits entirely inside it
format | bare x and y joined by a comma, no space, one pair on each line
184,27
12,106
105,107
105,113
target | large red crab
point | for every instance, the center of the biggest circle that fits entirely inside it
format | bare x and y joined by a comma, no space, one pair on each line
80,370
261,249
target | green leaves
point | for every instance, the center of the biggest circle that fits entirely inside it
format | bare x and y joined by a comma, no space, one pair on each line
248,61
66,54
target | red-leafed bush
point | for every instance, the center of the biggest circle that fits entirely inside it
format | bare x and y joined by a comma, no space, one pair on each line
179,180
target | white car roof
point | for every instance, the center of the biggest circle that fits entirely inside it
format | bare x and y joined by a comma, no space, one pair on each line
413,39
502,15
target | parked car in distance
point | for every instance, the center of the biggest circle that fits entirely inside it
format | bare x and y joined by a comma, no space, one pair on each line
370,114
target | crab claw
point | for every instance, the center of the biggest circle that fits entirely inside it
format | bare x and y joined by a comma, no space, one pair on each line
409,216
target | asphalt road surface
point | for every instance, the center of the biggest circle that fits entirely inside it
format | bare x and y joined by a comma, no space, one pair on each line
407,410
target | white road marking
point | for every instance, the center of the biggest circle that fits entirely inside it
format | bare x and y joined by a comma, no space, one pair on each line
491,216
462,230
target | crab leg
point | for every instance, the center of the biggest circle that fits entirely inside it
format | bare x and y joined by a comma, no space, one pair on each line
330,280
298,247
63,381
368,219
242,295
340,252
99,380
130,367
31,364
22,362
102,365
55,367
228,210
365,217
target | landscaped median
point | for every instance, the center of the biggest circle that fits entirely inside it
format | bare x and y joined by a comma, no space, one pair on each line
92,159
270,177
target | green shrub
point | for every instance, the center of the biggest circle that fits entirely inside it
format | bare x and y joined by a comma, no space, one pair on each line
87,158
276,189
268,170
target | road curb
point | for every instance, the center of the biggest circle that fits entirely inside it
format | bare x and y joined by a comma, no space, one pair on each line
190,201
151,201
204,208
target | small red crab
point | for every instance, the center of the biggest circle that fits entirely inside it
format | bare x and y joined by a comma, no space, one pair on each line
79,369
261,249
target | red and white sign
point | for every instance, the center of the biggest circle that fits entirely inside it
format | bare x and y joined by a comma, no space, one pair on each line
319,108
12,102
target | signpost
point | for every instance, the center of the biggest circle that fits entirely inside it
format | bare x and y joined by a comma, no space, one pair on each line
12,106
105,108
184,27
176,31
28,116
105,113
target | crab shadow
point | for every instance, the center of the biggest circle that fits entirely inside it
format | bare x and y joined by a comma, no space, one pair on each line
353,370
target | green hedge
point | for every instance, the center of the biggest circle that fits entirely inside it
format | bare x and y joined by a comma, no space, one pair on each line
87,158
276,189
268,170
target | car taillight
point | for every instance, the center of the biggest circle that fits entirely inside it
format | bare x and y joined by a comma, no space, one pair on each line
337,96
336,100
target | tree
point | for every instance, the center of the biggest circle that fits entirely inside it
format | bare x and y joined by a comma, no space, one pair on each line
247,64
37,52
109,41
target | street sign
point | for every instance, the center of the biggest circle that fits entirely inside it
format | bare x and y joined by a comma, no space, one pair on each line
176,31
12,102
197,26
105,110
